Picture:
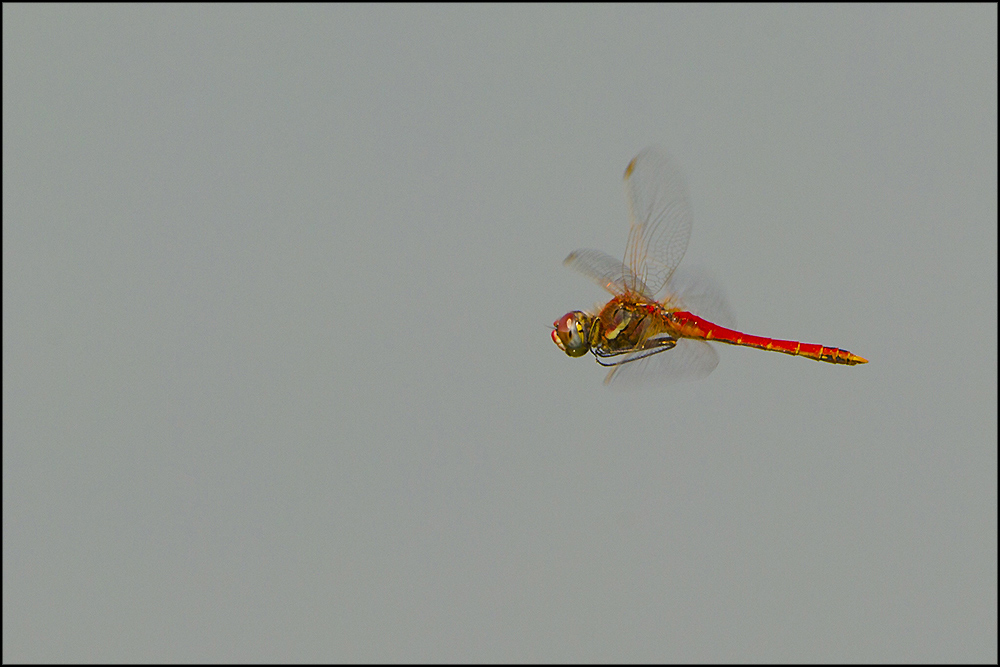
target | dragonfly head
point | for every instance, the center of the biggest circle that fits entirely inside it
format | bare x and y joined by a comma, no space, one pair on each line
572,333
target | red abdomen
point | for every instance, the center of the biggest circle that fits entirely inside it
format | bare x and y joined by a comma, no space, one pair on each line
689,325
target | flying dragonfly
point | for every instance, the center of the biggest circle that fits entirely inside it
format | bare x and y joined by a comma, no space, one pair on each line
643,337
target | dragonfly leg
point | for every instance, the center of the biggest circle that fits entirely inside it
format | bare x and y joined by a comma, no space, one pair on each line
649,347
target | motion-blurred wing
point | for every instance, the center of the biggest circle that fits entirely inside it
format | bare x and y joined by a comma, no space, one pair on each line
606,271
694,290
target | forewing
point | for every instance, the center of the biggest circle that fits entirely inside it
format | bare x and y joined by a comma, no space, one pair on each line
606,271
659,219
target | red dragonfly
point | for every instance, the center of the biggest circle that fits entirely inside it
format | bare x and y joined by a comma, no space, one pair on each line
632,330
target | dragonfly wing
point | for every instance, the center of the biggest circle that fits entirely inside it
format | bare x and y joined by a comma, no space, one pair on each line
659,219
688,360
694,290
606,271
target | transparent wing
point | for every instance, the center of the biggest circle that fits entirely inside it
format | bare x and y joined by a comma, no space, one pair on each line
688,360
606,271
694,290
659,218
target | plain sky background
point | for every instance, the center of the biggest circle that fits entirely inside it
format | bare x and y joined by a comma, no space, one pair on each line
277,375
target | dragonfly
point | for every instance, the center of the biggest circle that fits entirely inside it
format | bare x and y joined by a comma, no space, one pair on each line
642,337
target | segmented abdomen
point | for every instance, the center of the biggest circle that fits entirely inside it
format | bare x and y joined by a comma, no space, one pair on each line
689,325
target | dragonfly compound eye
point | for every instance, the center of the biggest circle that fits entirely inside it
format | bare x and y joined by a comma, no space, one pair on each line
572,333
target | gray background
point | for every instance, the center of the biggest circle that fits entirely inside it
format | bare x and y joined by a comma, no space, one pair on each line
277,375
